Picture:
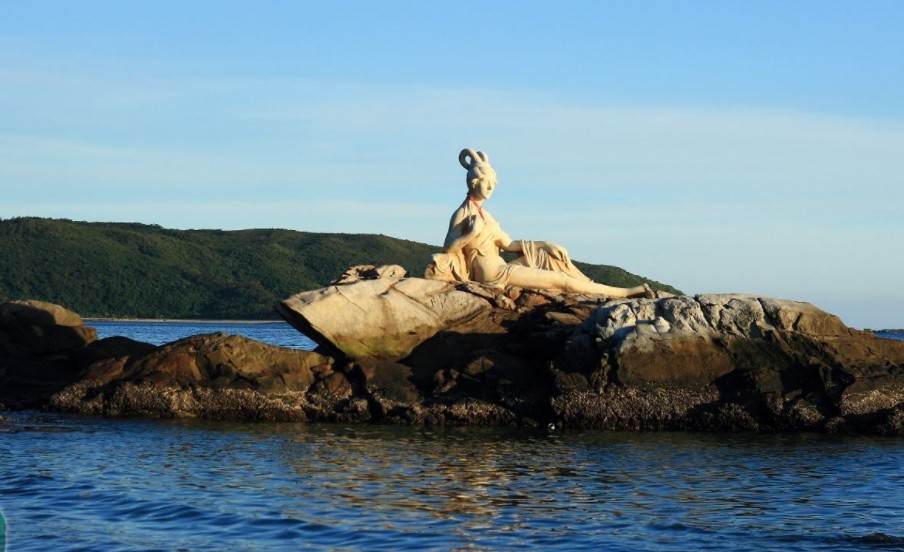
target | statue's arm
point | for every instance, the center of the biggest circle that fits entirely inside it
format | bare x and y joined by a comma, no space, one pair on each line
517,246
462,228
510,245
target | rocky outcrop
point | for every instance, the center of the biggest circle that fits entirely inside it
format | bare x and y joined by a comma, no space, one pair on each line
38,345
34,328
710,362
50,359
727,362
407,350
384,317
215,376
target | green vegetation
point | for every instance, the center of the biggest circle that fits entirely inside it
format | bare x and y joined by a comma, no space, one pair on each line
129,270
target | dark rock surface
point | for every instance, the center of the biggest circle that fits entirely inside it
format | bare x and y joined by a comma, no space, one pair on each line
215,376
704,363
730,362
38,345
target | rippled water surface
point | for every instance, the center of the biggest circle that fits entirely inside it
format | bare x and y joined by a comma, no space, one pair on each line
78,483
95,484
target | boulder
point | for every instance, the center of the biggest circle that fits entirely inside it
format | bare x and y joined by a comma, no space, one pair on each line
221,360
384,317
211,375
369,272
39,328
38,342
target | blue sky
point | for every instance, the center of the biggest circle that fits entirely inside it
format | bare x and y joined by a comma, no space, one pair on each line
718,146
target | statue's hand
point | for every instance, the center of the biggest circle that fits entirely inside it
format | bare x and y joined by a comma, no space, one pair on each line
462,233
557,252
472,225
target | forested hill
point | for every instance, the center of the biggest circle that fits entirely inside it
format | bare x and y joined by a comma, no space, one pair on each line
129,270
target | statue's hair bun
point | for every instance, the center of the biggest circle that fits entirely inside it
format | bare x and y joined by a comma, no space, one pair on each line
470,158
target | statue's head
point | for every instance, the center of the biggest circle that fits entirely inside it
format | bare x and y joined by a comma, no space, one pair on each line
481,178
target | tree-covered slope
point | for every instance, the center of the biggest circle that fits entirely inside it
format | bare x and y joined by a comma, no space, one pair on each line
144,271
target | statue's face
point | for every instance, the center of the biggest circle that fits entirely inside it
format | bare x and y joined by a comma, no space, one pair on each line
484,188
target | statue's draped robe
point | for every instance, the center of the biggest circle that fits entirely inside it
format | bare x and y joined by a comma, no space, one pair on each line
463,266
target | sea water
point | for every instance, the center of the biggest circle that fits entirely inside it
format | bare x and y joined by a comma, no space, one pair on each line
82,483
158,333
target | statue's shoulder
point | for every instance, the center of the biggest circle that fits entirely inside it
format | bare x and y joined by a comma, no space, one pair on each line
463,211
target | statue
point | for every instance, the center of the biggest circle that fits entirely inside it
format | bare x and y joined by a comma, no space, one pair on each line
474,241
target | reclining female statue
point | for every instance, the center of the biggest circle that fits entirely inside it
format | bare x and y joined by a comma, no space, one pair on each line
475,239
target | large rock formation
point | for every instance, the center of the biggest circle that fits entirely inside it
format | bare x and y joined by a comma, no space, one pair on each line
38,345
729,362
384,317
710,362
49,359
407,350
212,376
30,328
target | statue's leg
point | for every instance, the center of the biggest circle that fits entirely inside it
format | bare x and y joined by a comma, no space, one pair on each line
537,278
543,261
636,291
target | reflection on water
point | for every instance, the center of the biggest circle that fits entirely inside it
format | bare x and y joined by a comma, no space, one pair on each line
129,484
